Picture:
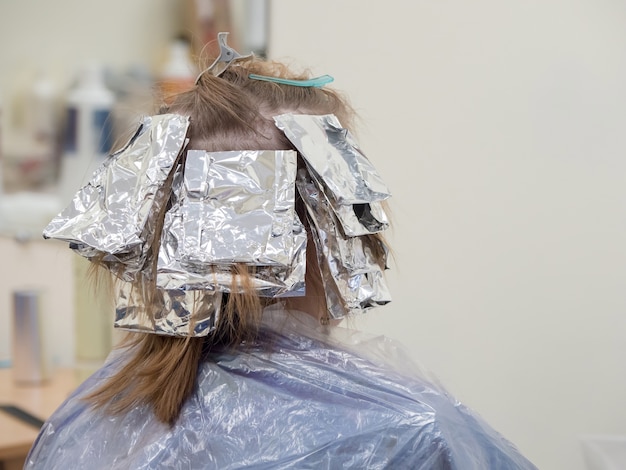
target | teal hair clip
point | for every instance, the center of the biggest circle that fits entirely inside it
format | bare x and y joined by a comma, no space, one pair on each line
316,82
228,56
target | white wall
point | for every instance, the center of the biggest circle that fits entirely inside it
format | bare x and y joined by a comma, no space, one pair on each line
499,127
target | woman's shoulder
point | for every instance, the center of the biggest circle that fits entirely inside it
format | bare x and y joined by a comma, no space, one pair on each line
300,397
328,390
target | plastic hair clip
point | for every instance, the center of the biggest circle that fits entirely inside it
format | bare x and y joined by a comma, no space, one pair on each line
227,56
316,82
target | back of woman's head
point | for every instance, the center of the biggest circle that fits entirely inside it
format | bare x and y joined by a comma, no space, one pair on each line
234,111
226,113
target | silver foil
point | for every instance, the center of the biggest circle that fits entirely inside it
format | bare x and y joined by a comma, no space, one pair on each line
353,187
352,278
230,208
172,312
230,223
113,213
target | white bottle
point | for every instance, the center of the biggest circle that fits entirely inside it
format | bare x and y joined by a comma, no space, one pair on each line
179,73
43,129
43,119
88,135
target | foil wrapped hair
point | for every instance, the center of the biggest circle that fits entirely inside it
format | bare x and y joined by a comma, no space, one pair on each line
222,209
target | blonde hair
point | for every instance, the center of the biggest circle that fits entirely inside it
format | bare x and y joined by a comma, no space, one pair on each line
230,112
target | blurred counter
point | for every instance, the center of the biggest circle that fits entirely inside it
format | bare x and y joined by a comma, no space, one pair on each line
16,436
45,266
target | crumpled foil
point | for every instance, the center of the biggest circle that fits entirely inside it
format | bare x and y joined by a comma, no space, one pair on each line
172,312
353,279
353,187
225,210
234,207
113,213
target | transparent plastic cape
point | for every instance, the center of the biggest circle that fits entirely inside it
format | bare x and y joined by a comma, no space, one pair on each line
300,398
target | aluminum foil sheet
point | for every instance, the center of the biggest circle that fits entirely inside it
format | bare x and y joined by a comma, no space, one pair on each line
225,210
172,312
113,213
234,207
353,280
360,219
296,399
353,187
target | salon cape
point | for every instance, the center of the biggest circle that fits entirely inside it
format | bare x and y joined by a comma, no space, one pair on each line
304,397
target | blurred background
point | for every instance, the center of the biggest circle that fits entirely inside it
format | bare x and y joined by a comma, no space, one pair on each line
499,127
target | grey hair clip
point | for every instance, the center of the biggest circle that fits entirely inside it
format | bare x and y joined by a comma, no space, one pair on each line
227,56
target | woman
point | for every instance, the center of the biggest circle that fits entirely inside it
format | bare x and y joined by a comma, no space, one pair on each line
241,225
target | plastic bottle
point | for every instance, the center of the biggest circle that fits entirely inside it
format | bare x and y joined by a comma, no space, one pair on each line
42,107
88,136
43,129
29,358
134,91
179,73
